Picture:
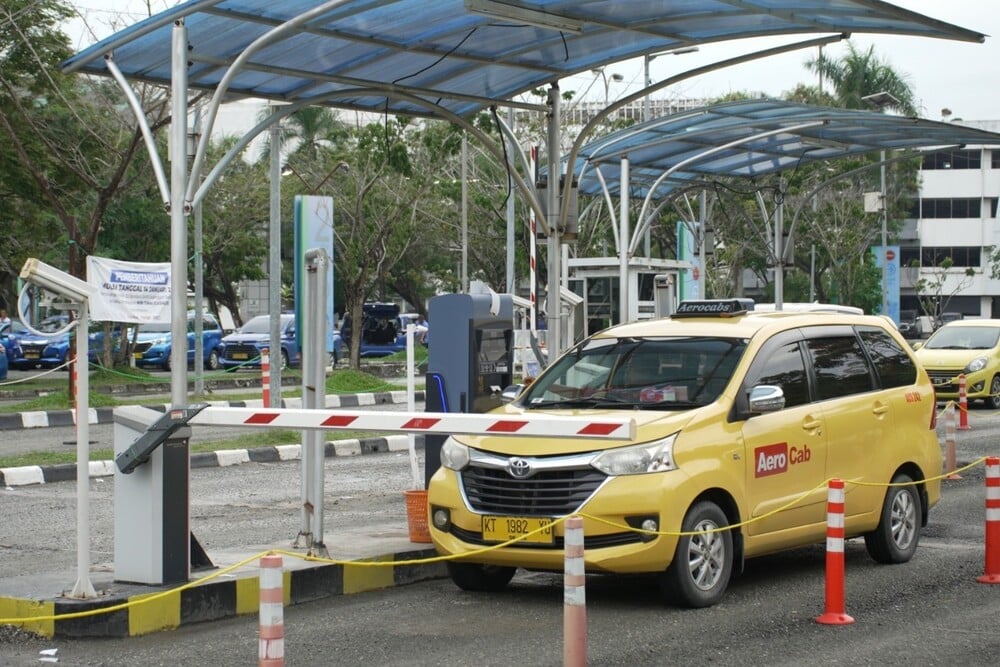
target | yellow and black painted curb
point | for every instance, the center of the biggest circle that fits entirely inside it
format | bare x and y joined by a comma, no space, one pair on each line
137,610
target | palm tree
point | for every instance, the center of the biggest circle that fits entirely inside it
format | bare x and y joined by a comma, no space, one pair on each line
307,129
860,73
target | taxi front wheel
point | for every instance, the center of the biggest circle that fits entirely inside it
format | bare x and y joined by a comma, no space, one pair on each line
895,540
480,578
700,572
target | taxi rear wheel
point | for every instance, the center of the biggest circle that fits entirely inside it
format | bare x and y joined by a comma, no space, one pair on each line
480,578
895,540
703,563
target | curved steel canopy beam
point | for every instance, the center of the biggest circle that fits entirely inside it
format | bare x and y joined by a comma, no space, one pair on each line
596,120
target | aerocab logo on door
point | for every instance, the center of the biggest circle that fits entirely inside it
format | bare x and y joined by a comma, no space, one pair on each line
775,459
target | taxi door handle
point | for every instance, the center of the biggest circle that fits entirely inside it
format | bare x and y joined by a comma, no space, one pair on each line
812,425
879,409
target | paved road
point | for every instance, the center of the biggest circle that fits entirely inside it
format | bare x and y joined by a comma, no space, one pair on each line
930,611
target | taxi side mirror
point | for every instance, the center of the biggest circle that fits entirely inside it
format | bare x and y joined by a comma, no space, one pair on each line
510,393
766,398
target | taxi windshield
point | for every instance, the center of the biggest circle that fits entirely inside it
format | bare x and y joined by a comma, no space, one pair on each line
668,373
964,338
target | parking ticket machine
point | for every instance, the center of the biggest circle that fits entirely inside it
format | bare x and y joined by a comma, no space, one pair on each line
470,350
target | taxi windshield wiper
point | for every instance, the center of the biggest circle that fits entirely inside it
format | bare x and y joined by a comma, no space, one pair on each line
596,401
667,405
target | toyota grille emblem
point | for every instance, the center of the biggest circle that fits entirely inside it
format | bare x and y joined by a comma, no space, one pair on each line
518,468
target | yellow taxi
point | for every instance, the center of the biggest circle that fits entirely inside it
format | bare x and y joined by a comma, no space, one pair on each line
964,347
741,419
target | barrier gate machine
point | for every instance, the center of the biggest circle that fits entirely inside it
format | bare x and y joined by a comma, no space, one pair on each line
470,361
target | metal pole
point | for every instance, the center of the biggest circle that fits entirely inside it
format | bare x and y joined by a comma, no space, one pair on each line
178,218
317,263
465,214
510,279
83,587
553,310
199,286
623,243
885,240
274,266
779,271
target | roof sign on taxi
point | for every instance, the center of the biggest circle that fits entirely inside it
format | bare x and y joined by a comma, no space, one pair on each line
713,308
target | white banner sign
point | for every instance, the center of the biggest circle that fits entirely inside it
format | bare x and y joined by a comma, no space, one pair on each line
129,291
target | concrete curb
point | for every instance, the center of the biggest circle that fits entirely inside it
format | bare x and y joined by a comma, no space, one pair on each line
66,472
236,594
43,419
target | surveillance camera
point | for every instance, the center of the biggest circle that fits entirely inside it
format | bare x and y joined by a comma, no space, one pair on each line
48,277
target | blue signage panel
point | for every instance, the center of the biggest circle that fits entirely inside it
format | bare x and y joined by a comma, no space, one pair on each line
891,258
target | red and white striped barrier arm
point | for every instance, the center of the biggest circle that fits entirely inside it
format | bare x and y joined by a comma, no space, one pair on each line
421,422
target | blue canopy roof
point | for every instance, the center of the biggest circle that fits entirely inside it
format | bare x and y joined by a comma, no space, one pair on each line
753,138
418,57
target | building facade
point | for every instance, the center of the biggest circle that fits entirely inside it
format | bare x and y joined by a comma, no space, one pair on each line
954,217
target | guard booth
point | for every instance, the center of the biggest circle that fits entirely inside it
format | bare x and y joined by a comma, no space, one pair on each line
470,349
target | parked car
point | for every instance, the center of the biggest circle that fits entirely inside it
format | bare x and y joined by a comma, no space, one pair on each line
945,318
908,323
383,330
11,334
152,345
242,348
741,417
44,351
964,347
4,364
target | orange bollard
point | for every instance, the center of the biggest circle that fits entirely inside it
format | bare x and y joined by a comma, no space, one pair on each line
992,571
949,442
265,370
271,646
574,596
963,405
835,613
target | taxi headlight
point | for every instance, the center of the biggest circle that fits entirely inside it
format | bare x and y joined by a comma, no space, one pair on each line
977,364
454,455
655,456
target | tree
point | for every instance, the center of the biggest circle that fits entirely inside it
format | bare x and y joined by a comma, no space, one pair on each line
859,73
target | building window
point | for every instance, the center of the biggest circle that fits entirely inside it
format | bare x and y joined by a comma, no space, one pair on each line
960,256
954,159
946,208
995,160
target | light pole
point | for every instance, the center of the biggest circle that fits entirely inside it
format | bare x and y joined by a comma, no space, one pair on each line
607,83
647,81
879,102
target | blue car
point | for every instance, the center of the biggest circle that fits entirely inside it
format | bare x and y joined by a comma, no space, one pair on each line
241,349
11,334
383,331
152,346
47,351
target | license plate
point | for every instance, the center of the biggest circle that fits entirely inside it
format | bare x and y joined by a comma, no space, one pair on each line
240,355
32,355
503,528
137,355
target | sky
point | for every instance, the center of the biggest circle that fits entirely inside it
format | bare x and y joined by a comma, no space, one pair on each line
960,76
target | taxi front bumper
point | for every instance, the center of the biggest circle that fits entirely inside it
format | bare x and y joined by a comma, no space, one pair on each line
612,519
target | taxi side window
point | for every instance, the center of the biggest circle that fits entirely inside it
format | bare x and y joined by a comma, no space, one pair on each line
785,368
893,365
840,366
